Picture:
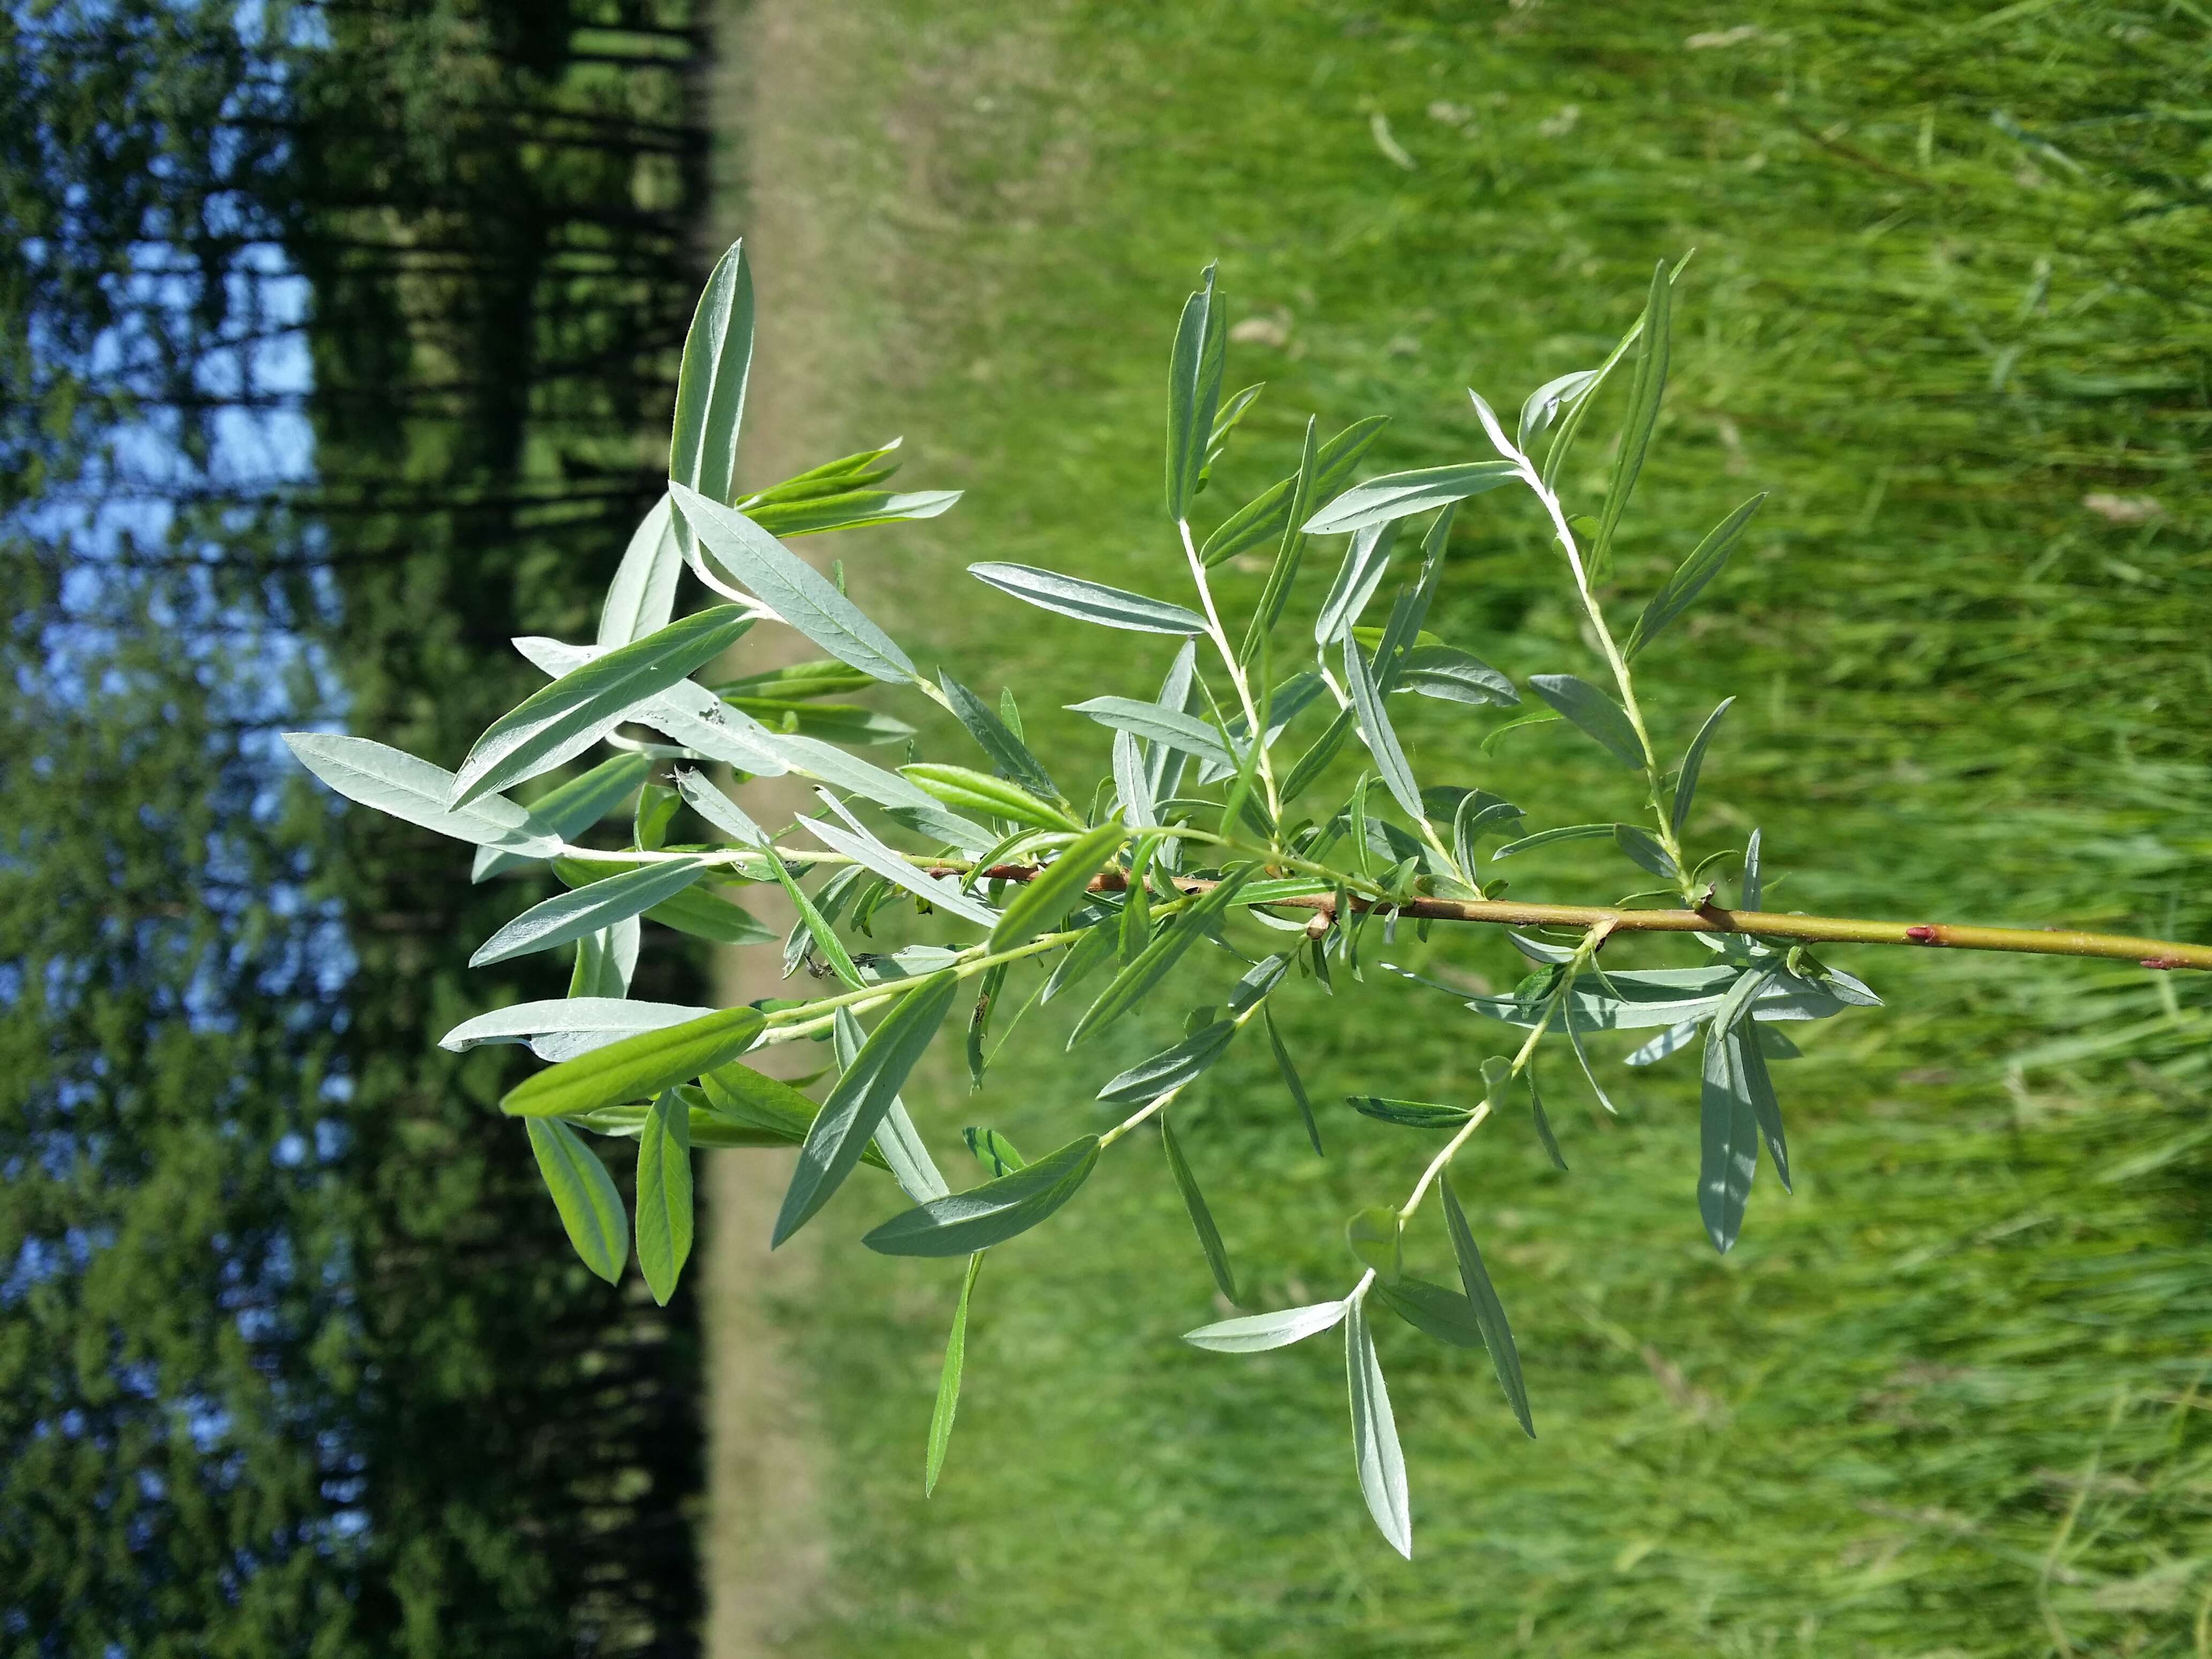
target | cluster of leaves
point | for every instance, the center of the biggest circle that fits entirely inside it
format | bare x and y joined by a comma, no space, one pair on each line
1197,834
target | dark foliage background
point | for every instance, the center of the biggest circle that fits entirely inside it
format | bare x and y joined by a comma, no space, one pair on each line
337,345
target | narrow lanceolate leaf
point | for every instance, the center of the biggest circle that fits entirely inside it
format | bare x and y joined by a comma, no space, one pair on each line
948,1380
1090,602
1092,951
1366,561
855,776
1401,494
1645,850
1291,1081
564,1027
591,1209
1202,1219
1546,837
1043,901
1193,391
636,1066
664,1194
719,810
394,782
793,589
1489,1312
1374,727
1171,1068
993,1212
1644,398
1451,675
1545,403
1156,723
567,917
1375,1452
1411,1113
942,891
969,791
691,909
1257,1333
1594,712
642,598
1728,1139
1133,788
1551,1141
820,677
1690,577
564,717
762,1109
1300,491
1432,1310
1135,979
997,739
853,509
686,712
863,1094
1750,1061
1163,763
1283,505
605,962
571,808
993,1151
710,383
896,1139
1686,782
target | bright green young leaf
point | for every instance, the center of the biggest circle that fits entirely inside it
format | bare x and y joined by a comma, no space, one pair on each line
851,509
1042,903
960,787
664,1194
1689,580
1276,512
793,589
1085,958
847,472
1489,1312
562,720
636,1066
993,1151
829,723
1686,782
395,782
1130,986
1597,714
1193,391
590,1208
1402,495
993,1212
1201,1217
822,676
855,776
1376,1453
848,1119
1090,602
948,1380
744,1099
710,382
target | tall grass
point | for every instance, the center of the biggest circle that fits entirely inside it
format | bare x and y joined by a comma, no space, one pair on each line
1951,1397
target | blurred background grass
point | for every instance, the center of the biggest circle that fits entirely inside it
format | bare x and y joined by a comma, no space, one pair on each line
1946,305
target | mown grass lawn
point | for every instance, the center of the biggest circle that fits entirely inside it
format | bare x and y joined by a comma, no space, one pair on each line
1946,305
